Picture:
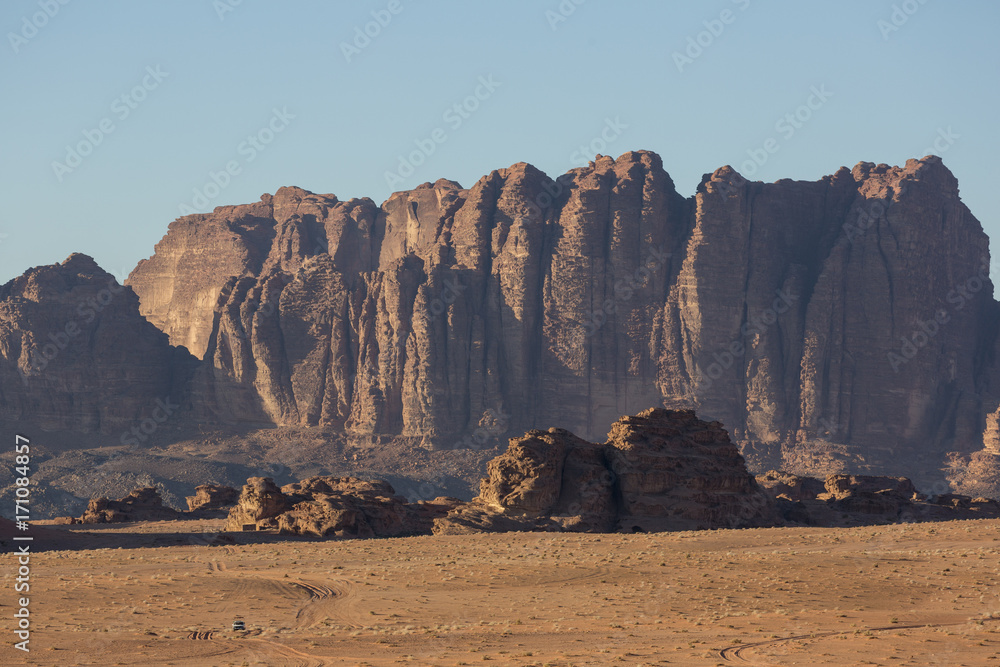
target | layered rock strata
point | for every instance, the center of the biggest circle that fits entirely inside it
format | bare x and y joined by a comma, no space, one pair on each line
841,325
846,318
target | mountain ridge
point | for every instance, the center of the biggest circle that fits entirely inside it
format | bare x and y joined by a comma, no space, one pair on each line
774,308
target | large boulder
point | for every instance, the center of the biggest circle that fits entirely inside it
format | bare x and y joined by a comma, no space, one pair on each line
143,504
334,507
260,502
659,470
780,484
212,497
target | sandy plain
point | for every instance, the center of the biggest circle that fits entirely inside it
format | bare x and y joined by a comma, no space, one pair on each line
167,593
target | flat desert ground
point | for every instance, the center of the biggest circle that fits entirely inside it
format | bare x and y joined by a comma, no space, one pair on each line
913,594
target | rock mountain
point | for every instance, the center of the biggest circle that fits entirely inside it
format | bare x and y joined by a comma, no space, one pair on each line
842,325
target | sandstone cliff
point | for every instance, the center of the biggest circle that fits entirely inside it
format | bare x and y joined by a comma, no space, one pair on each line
842,325
830,325
75,354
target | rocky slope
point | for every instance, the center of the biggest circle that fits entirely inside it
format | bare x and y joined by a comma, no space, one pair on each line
842,325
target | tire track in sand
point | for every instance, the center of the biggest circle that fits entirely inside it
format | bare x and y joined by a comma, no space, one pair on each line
335,602
735,653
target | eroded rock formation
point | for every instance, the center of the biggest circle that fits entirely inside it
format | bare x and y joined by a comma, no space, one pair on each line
853,500
659,470
260,502
75,354
210,497
143,504
797,313
843,325
333,507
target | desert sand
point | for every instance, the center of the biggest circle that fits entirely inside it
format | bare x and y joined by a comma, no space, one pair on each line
166,593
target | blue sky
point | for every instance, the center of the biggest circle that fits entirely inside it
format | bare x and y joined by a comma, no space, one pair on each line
199,80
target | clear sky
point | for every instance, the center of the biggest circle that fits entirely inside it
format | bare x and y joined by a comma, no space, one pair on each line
160,95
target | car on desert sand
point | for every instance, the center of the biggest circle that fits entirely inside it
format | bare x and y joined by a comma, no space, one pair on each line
239,625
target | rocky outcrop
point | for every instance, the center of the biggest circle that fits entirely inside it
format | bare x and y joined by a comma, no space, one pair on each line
348,507
854,500
868,494
334,507
210,497
977,475
784,485
143,504
991,436
544,481
76,355
259,505
659,470
842,487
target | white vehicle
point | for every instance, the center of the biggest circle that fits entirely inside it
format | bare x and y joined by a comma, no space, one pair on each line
239,625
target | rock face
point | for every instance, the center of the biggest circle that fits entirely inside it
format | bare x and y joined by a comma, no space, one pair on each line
140,505
852,500
76,355
798,313
991,436
260,502
659,470
790,487
212,497
333,507
843,325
